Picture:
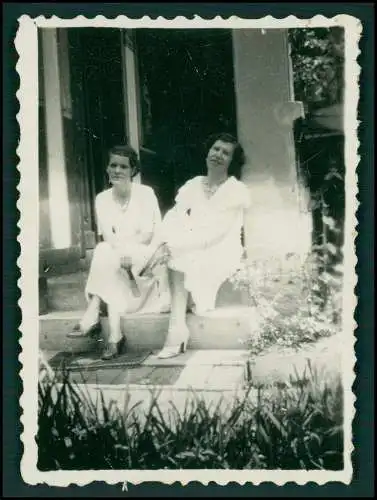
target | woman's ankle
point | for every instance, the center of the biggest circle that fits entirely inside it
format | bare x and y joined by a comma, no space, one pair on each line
92,312
177,333
88,320
177,326
115,338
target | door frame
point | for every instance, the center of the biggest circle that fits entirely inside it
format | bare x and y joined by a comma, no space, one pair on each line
55,104
131,90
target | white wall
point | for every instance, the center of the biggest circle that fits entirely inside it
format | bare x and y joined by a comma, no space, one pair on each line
278,221
59,208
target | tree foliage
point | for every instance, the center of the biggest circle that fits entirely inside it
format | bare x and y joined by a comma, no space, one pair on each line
318,65
318,73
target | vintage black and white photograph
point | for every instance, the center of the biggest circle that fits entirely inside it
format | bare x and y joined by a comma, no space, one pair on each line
187,249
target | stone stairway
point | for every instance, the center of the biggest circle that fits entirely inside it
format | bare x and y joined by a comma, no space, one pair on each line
205,366
217,359
228,327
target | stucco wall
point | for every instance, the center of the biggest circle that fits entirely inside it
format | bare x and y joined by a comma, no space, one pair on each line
278,221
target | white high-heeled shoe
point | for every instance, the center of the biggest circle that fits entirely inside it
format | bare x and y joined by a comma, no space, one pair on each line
170,351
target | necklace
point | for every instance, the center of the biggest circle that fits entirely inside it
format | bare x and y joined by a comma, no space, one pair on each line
123,204
211,190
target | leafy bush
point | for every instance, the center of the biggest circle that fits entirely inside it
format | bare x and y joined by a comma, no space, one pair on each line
290,332
305,307
318,65
297,427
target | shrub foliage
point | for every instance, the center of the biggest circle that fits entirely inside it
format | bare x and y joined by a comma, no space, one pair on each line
296,427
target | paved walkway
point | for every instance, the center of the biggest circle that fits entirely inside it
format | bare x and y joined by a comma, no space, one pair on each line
216,376
280,364
195,369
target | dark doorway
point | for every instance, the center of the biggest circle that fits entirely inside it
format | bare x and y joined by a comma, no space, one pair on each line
186,89
98,110
96,67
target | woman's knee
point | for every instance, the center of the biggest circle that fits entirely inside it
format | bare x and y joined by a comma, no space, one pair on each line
103,246
104,255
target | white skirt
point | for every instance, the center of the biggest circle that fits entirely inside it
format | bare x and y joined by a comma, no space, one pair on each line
204,269
113,285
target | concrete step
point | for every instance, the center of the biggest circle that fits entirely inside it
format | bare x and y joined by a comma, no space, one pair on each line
212,371
225,328
53,328
66,293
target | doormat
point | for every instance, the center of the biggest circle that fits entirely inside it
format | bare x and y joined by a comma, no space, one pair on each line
92,361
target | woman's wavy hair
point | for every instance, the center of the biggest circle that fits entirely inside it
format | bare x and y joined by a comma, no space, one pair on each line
128,152
238,159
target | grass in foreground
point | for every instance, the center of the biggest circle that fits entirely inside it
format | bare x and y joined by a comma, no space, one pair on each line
296,427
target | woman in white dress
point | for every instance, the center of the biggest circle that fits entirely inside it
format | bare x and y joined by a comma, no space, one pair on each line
128,217
201,236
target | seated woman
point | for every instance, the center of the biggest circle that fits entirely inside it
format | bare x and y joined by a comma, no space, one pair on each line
200,237
128,217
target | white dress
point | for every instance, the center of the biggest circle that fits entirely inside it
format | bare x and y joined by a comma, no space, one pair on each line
127,231
204,235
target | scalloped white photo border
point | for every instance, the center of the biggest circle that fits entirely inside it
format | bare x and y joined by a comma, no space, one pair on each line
27,151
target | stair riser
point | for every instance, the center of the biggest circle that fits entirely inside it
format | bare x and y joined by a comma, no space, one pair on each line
150,332
69,296
52,337
208,333
66,299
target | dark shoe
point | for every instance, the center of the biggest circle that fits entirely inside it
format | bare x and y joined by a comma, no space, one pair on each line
93,331
113,349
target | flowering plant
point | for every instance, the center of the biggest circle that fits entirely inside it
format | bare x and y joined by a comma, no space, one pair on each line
295,307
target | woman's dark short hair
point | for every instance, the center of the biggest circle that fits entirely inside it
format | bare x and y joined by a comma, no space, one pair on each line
238,158
128,152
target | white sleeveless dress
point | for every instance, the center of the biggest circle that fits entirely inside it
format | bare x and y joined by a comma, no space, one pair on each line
127,231
204,236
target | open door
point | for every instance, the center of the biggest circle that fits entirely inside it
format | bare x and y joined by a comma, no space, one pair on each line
187,92
97,87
